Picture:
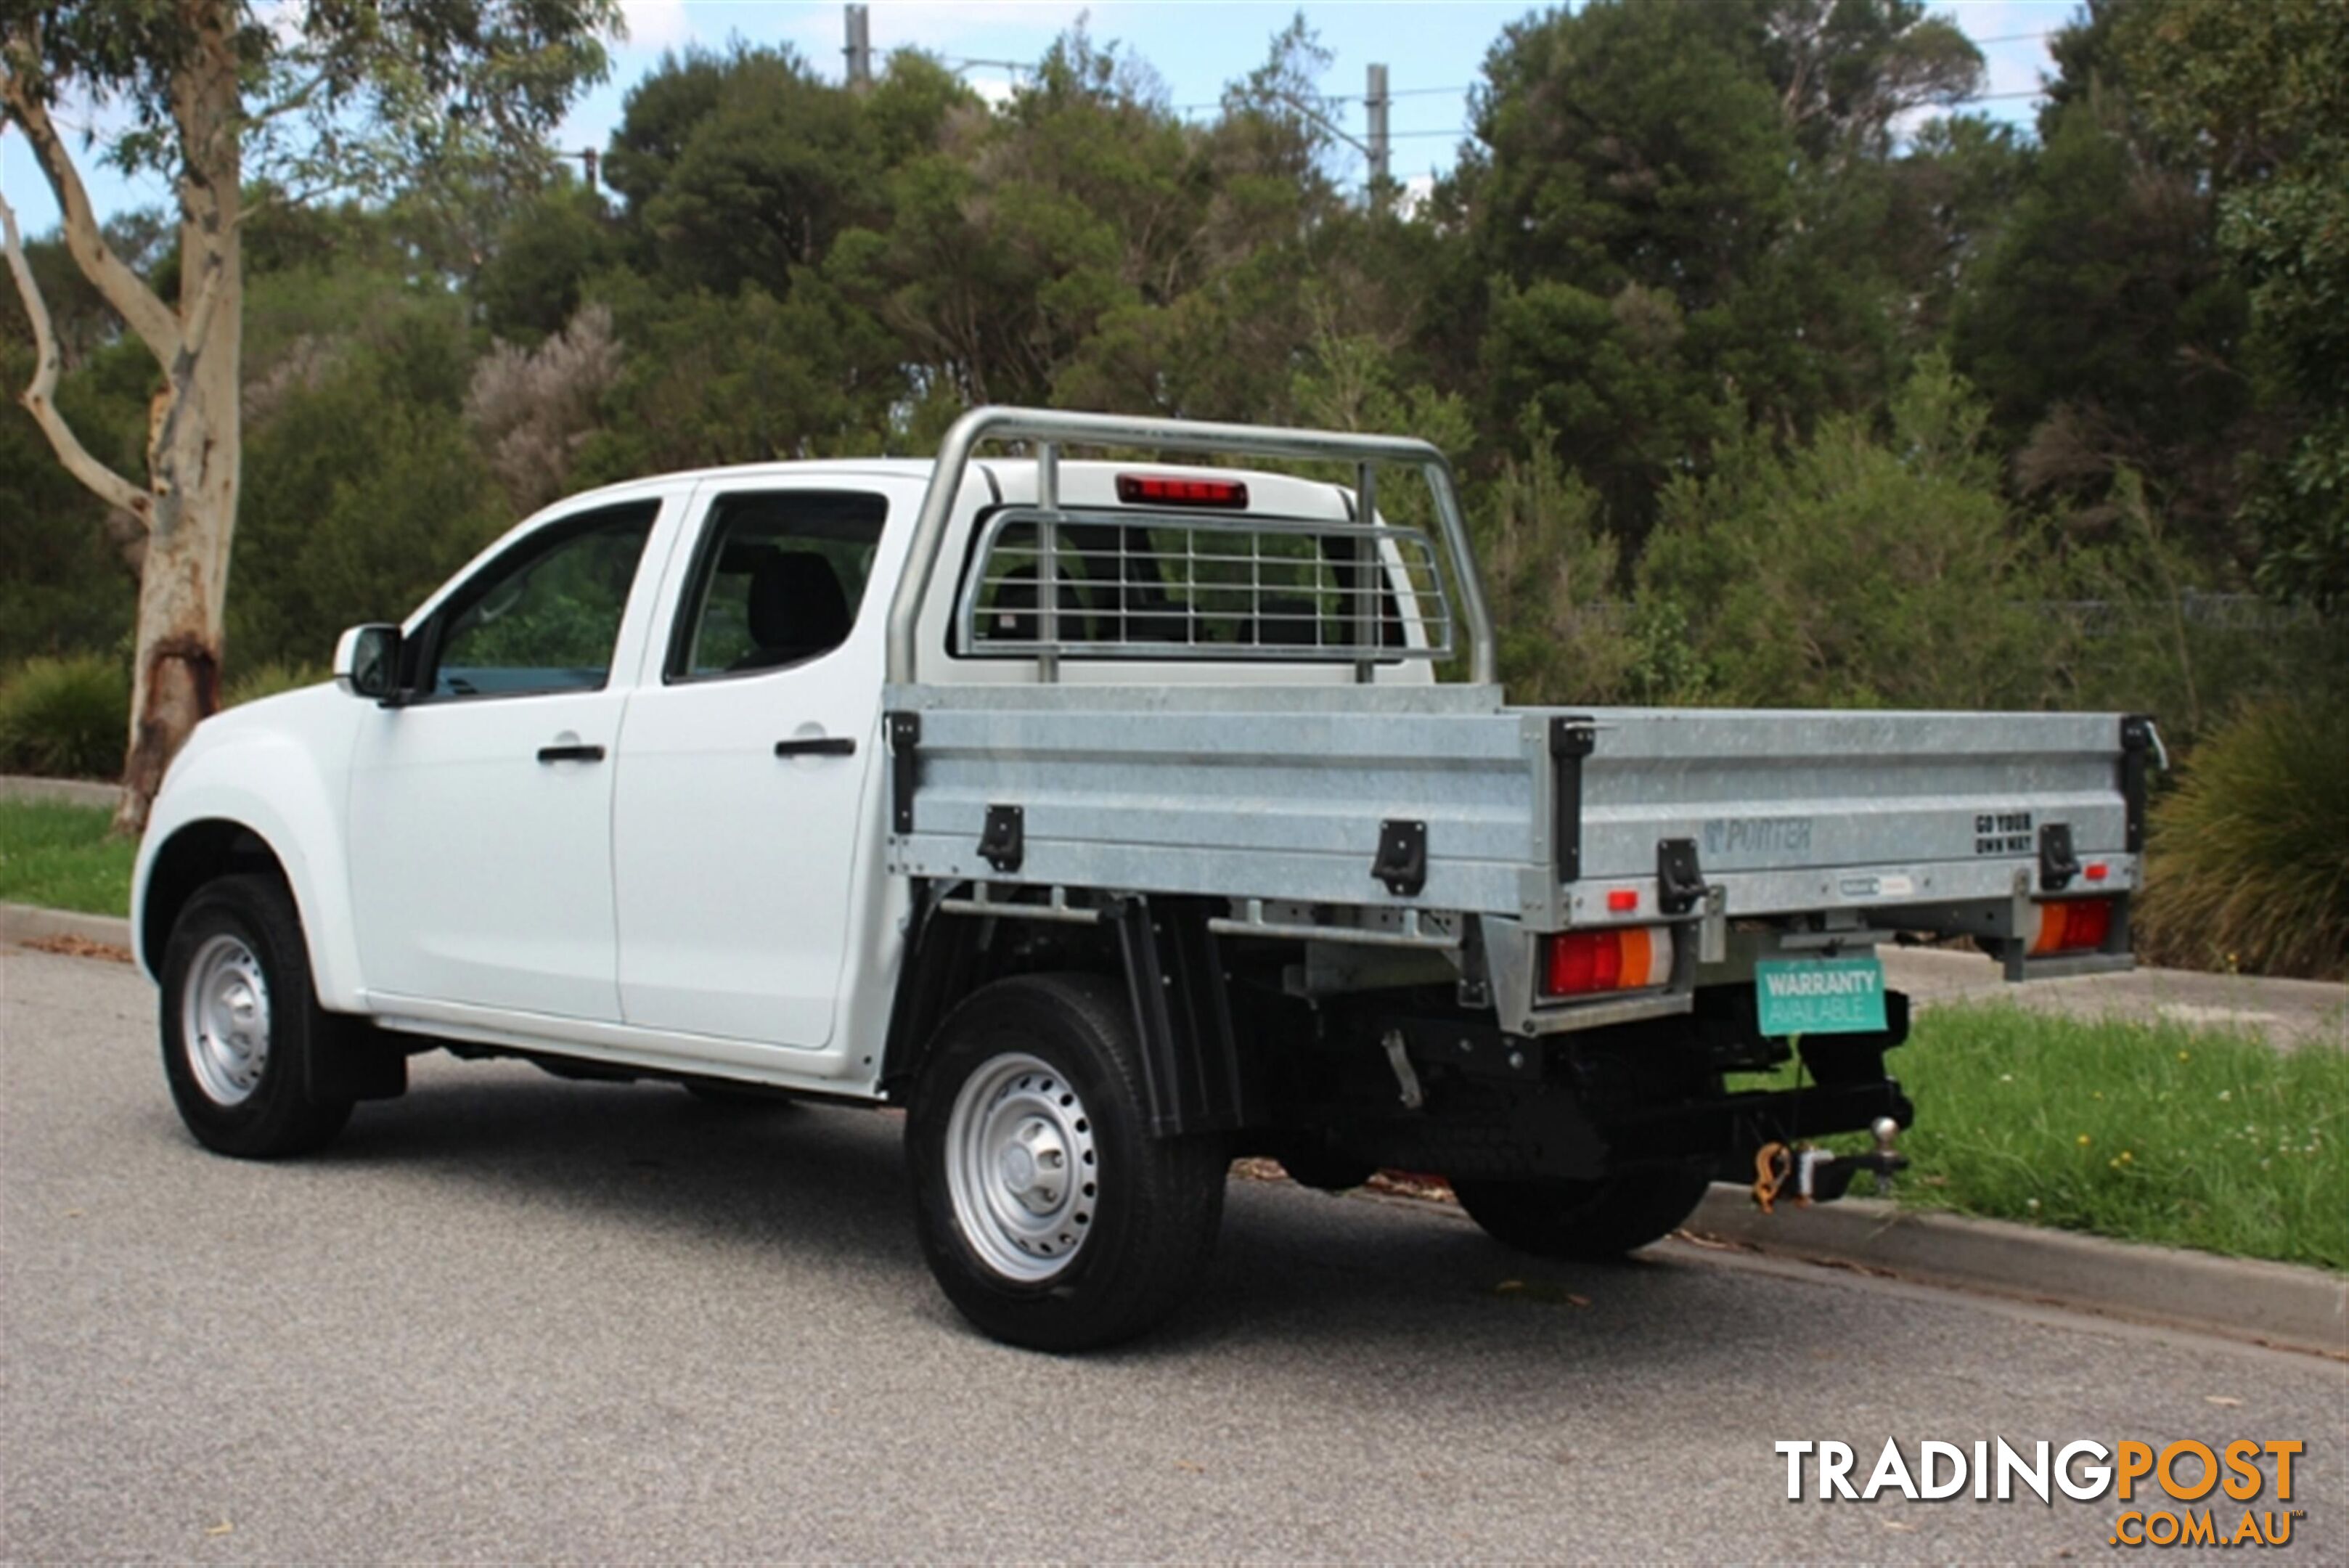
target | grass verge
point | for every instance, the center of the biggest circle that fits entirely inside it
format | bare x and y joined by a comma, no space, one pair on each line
2141,1132
62,857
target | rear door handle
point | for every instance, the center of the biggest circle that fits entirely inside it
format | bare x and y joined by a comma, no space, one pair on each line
817,746
570,753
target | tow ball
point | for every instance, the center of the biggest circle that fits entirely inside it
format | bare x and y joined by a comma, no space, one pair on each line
1818,1177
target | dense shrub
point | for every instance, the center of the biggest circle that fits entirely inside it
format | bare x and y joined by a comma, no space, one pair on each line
2248,863
1856,571
64,717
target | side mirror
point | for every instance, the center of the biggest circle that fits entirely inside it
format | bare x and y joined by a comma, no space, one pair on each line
366,661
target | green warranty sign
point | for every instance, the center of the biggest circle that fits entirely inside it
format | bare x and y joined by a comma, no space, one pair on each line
1820,996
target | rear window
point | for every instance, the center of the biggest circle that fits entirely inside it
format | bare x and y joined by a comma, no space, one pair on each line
1237,586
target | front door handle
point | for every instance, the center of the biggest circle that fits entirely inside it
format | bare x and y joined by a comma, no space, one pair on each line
817,746
570,753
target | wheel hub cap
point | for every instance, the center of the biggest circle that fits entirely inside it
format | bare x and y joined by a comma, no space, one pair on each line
1035,1166
224,1020
1021,1167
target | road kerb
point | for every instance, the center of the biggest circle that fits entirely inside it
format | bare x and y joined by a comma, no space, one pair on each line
2281,1304
31,923
60,792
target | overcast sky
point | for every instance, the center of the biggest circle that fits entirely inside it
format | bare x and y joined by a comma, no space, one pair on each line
1432,51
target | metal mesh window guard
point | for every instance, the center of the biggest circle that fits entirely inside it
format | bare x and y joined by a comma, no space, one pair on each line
1155,584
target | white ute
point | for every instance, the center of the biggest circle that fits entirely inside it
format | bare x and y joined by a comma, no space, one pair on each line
791,781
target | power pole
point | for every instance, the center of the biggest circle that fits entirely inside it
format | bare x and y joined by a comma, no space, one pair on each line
1375,102
860,47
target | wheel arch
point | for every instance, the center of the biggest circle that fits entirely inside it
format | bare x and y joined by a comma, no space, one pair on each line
1161,954
196,853
210,822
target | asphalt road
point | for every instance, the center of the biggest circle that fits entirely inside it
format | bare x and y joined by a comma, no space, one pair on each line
508,1317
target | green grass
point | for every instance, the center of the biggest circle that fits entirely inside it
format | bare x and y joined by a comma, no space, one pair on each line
2145,1133
62,857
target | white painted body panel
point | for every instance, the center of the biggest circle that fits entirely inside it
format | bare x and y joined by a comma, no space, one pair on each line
734,867
479,873
280,767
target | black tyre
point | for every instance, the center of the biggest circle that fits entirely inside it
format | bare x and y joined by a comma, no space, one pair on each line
240,1020
1049,1215
1590,1220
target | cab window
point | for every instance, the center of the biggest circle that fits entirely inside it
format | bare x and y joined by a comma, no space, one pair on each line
545,615
777,579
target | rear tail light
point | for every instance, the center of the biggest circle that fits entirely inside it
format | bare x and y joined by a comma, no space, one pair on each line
1170,490
2074,925
1587,964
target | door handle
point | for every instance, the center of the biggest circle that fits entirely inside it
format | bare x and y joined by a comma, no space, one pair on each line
817,746
570,753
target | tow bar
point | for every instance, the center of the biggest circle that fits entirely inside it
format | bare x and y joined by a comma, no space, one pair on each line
1818,1177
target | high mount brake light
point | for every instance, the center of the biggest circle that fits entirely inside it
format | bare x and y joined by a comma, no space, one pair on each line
1168,490
2073,925
1627,958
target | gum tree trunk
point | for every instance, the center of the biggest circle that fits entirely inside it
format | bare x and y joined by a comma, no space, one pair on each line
195,437
195,443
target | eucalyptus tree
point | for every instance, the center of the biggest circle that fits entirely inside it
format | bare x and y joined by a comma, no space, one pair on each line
241,105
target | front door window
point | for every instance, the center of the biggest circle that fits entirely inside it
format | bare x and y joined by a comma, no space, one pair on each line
545,618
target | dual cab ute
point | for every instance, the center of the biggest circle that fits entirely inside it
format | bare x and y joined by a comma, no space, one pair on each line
1113,819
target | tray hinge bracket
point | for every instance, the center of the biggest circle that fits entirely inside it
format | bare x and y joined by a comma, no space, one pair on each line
2139,743
1572,737
905,744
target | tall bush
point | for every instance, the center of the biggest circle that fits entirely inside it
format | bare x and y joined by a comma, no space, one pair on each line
1857,572
1549,567
2248,862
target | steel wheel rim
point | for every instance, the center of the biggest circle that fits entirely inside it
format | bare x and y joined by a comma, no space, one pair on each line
1022,1167
224,1020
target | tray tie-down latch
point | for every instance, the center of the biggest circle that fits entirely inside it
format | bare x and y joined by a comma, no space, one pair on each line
1003,842
1679,881
2057,862
1818,1177
1401,860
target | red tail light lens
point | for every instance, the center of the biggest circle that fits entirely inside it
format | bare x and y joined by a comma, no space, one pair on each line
2075,925
1585,963
1167,490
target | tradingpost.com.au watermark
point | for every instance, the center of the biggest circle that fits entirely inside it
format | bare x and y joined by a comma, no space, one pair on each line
2183,1493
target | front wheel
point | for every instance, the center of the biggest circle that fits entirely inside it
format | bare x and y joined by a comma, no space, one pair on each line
1049,1215
1587,1220
240,1022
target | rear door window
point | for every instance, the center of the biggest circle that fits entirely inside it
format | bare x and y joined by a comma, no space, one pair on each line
779,578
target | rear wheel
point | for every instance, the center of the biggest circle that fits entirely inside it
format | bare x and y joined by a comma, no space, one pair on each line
240,1022
1590,1220
1049,1215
